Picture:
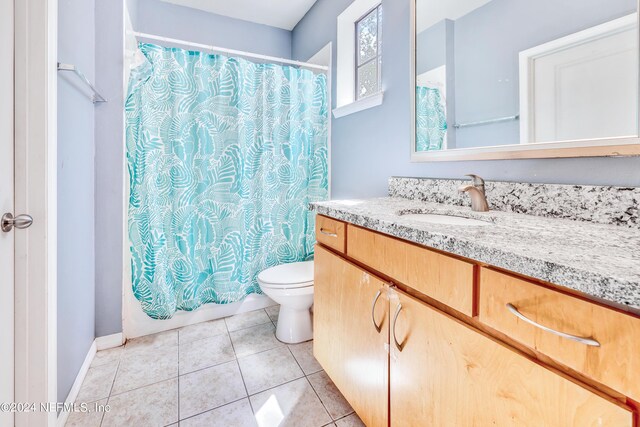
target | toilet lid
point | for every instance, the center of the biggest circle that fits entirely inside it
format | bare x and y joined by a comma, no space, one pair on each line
288,275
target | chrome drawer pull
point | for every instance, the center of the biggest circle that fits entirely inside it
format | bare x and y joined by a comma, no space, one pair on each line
581,340
328,233
373,309
393,327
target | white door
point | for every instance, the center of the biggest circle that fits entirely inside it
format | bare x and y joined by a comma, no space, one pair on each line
6,205
582,86
583,92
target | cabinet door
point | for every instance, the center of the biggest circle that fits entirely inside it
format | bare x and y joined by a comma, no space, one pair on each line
346,342
448,374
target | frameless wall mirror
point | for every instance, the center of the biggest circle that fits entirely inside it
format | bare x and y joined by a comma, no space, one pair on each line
500,79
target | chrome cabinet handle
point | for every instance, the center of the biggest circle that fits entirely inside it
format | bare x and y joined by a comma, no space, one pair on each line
586,341
393,327
373,309
328,233
8,222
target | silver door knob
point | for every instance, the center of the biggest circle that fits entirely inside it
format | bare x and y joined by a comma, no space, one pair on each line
21,221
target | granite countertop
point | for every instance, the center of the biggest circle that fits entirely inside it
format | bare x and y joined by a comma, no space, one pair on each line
597,259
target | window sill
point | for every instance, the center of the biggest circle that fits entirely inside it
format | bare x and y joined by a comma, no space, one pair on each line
359,105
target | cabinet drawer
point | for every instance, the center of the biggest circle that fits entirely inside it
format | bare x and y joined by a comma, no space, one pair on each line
614,362
331,232
441,277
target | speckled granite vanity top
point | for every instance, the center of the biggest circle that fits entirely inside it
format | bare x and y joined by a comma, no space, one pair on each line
590,256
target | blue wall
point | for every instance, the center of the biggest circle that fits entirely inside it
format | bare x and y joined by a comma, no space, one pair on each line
168,20
369,146
179,22
433,42
109,134
487,74
76,262
438,41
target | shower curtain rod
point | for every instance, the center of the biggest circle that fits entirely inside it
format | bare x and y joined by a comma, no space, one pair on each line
146,36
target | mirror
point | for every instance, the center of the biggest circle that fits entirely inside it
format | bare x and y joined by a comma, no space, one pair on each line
525,78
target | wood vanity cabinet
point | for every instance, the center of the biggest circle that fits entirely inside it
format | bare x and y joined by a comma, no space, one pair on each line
347,343
448,374
400,361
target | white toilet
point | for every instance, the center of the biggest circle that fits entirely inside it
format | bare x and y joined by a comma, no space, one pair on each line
291,286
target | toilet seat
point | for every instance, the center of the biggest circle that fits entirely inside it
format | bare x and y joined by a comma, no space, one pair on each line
287,276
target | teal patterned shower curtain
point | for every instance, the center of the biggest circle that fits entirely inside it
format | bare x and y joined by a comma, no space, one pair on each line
431,119
224,157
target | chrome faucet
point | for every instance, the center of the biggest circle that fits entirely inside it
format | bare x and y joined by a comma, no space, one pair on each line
477,194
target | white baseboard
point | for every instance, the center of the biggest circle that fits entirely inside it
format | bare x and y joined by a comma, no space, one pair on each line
100,343
75,389
109,341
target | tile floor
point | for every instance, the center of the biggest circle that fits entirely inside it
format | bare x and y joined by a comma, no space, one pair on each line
227,372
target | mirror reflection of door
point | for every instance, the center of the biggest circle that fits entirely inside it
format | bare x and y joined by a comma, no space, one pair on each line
505,72
581,86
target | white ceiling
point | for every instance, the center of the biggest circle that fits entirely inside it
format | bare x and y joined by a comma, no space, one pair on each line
431,12
276,13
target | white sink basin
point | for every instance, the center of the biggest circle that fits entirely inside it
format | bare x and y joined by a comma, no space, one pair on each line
445,219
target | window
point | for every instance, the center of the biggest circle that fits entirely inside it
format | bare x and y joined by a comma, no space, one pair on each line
368,53
358,65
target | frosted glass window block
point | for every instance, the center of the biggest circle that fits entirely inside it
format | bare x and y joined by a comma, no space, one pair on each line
368,37
369,53
368,79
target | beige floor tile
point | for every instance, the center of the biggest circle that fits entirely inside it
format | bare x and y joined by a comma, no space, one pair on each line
273,312
331,398
97,383
202,330
255,339
292,404
152,406
204,353
93,418
352,420
268,369
303,353
209,388
151,342
103,357
236,414
247,320
141,368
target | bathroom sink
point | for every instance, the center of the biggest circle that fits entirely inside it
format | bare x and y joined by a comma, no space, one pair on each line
445,219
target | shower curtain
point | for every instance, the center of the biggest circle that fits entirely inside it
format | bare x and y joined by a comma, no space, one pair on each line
224,157
431,119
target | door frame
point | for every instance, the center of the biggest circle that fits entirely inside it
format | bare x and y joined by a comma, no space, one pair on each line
35,162
7,260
